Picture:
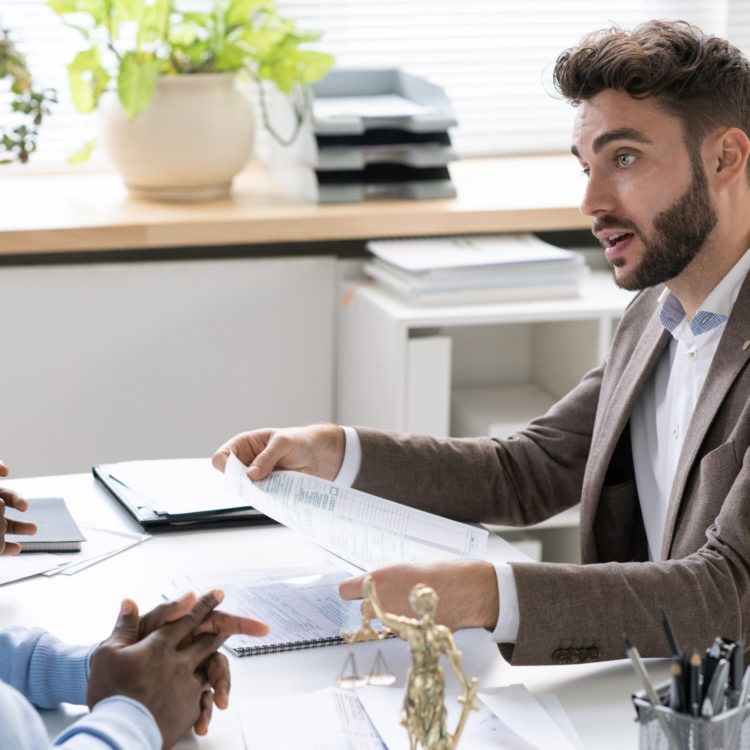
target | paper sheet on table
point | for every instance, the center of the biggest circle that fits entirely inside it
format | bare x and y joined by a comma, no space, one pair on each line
100,544
551,704
18,567
483,730
174,485
366,530
527,716
368,719
329,719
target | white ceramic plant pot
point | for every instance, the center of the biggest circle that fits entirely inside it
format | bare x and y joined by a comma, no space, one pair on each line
195,136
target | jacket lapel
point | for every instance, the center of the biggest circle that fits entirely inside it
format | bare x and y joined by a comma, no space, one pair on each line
620,390
731,357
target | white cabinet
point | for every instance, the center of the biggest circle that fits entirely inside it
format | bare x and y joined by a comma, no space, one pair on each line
471,369
111,361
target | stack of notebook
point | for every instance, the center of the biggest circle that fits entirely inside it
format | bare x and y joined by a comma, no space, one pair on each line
374,133
456,270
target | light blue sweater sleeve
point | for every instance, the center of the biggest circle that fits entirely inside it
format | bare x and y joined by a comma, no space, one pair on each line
37,668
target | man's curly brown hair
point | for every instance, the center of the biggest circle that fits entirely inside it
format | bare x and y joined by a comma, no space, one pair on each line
701,79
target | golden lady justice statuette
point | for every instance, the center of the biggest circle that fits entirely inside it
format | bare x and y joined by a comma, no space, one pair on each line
423,712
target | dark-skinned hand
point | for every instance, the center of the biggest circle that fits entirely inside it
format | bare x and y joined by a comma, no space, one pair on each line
9,499
168,661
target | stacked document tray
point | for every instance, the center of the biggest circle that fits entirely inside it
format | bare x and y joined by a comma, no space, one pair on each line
373,133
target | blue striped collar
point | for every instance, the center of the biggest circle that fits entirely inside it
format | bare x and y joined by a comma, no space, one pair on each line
672,314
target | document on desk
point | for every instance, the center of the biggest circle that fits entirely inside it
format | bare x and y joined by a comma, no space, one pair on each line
328,719
366,530
300,605
368,719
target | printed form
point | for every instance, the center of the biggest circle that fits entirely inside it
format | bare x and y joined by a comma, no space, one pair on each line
302,605
366,530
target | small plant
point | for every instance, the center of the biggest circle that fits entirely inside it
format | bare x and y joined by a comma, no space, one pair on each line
133,42
30,105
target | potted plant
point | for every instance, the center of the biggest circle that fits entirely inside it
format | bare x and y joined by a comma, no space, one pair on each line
163,73
29,104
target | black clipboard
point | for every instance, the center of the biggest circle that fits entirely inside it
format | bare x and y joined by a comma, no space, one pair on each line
153,517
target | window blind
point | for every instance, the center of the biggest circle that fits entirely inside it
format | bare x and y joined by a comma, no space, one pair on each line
493,57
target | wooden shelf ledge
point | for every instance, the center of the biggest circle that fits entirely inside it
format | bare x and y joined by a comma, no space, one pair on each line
92,211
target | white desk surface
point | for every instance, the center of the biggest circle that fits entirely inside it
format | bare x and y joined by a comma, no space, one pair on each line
82,609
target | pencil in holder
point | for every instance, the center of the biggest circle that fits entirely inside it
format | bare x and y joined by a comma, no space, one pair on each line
662,728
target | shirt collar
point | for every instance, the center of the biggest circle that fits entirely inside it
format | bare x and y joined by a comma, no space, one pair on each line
717,306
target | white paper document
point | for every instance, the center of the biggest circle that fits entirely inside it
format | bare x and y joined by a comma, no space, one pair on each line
329,719
509,717
175,485
301,605
384,105
364,529
100,544
18,567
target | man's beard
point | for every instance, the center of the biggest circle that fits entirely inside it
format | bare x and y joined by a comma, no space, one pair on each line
679,233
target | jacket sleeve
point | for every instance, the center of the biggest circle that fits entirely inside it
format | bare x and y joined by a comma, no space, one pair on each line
704,590
486,480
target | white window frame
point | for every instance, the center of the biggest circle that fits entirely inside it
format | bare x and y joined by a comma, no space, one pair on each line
493,58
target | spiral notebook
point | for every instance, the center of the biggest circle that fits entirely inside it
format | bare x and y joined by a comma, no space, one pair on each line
301,605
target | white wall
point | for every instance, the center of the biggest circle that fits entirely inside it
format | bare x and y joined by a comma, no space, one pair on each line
106,362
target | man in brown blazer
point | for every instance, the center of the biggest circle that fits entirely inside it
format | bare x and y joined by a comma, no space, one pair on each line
654,443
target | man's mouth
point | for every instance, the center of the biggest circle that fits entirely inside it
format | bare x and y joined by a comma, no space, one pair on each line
615,239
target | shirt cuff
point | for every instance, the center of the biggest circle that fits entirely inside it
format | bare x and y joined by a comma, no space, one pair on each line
506,630
352,458
115,722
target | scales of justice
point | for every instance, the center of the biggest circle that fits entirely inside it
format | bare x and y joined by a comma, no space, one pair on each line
423,711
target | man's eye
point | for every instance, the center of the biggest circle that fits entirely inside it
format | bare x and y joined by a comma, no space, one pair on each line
625,160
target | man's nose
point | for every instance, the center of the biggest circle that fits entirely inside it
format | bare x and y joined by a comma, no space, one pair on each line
598,197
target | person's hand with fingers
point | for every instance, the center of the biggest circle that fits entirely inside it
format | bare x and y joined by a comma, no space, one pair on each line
168,661
217,667
316,450
467,590
10,499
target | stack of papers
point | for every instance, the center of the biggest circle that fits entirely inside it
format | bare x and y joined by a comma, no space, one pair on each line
98,545
456,270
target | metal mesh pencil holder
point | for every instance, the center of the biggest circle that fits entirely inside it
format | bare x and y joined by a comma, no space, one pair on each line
672,730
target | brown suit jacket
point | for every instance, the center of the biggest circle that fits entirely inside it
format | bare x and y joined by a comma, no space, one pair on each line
580,451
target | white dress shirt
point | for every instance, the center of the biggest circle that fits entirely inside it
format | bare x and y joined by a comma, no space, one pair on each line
664,409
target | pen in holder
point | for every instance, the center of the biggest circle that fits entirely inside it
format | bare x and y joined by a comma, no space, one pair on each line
704,703
663,728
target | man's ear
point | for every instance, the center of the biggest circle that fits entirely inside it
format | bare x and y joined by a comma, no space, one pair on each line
729,152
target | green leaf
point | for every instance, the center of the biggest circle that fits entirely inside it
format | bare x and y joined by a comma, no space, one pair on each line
97,9
241,12
313,65
129,10
88,79
231,57
83,153
136,83
154,24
